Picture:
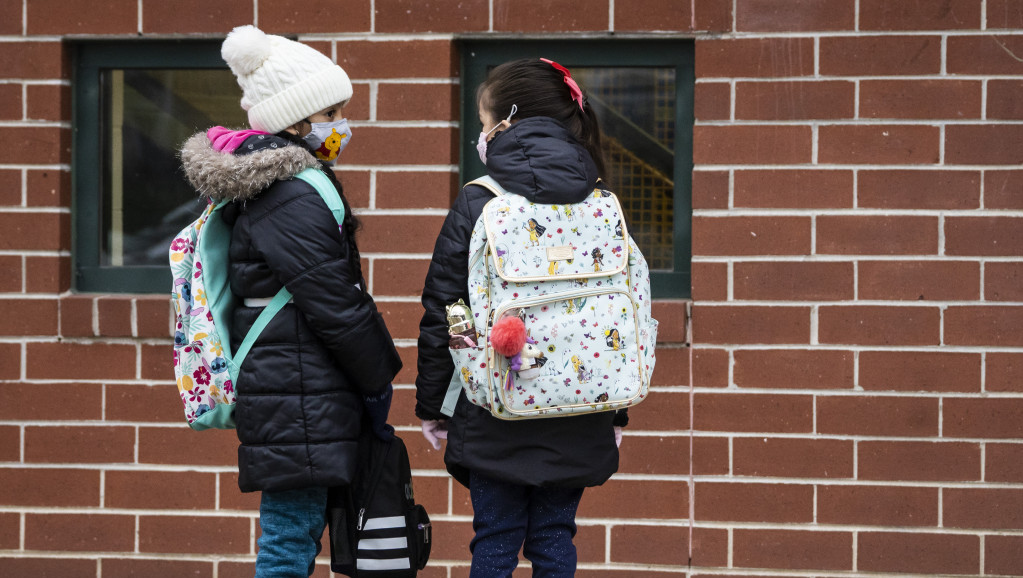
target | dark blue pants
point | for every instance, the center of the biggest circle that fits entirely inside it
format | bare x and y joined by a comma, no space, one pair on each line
509,517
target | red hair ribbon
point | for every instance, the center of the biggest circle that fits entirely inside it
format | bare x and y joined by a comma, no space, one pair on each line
573,88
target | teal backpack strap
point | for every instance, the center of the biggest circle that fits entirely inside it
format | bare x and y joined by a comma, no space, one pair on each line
328,193
490,184
451,397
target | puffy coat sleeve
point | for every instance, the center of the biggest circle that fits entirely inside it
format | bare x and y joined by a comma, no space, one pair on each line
300,242
447,281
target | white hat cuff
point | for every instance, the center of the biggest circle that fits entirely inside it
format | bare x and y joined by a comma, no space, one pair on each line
325,88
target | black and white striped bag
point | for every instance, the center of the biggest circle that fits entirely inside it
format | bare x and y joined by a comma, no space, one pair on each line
376,528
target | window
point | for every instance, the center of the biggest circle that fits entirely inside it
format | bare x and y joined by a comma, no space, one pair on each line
642,91
135,103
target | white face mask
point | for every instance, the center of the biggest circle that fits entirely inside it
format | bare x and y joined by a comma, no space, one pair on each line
328,139
481,144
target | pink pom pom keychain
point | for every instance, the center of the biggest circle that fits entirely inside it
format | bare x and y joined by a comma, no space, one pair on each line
508,335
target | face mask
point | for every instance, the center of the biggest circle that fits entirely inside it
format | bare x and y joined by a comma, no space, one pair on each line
328,139
481,144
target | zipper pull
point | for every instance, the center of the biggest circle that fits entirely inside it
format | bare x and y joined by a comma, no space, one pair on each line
362,512
426,535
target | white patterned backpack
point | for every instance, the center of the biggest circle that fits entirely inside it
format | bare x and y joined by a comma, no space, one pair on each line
205,369
581,287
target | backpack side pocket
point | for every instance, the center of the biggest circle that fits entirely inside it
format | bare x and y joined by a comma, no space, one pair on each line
420,536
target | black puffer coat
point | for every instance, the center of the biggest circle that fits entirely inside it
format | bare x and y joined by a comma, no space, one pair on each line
540,160
299,406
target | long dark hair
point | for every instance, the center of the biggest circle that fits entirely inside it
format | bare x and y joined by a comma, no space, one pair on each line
539,89
349,224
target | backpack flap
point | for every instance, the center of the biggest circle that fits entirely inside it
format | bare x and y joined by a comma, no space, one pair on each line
537,242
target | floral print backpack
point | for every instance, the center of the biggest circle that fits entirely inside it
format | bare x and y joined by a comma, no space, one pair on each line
580,285
205,369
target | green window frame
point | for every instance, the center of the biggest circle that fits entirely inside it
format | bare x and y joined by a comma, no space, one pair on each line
90,59
481,54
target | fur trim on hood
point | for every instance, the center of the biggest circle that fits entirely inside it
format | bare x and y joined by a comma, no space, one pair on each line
221,176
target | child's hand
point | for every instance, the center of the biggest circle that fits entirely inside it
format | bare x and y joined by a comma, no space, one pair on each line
435,430
618,436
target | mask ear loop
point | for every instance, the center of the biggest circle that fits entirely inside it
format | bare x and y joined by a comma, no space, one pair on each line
515,108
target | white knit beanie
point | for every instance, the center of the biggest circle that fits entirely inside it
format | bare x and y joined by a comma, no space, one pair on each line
283,81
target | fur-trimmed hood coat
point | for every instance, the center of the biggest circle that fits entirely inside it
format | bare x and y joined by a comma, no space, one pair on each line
300,390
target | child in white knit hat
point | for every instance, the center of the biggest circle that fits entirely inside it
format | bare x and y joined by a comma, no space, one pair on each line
324,364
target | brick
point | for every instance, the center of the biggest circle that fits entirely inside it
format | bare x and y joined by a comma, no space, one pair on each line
991,418
710,189
649,545
35,231
79,361
1003,281
48,102
920,371
417,102
10,188
173,446
176,534
1003,555
76,316
919,461
757,144
402,318
918,553
982,508
650,15
356,185
48,188
35,145
10,530
878,144
30,316
1003,372
51,488
148,490
114,316
47,274
710,281
10,102
753,413
10,443
710,367
79,444
949,15
33,60
655,455
792,458
877,505
128,567
409,357
793,16
984,144
795,189
800,100
399,276
741,502
153,316
231,498
11,18
1003,99
48,567
416,190
993,325
155,362
1002,189
424,146
919,280
879,325
195,16
672,367
751,324
669,413
653,499
793,281
400,16
671,314
399,233
877,416
984,236
794,369
712,101
711,15
10,363
984,54
787,549
22,401
752,236
1004,14
549,16
82,17
755,57
880,55
710,547
590,543
12,280
877,235
92,532
918,189
399,59
1003,463
161,402
301,17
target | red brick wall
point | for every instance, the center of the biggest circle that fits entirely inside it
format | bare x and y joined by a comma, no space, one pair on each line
857,301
